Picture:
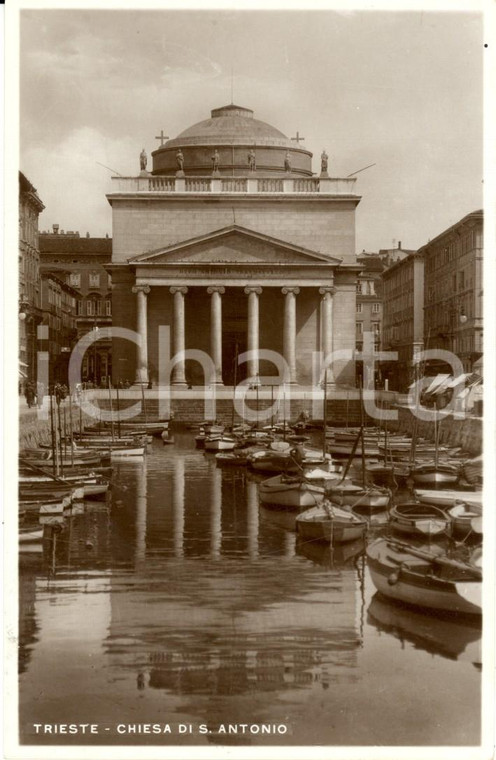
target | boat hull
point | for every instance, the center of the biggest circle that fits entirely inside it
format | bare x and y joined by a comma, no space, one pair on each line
420,589
296,495
316,525
419,520
219,444
435,476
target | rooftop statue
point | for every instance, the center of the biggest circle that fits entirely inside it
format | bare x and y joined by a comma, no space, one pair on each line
143,160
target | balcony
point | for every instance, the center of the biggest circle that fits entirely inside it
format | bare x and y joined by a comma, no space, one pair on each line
234,185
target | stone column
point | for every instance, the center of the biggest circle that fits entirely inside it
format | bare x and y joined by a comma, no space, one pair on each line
178,374
141,328
253,327
289,334
216,330
326,322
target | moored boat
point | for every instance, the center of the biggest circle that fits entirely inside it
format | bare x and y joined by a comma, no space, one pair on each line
447,498
436,474
219,443
354,495
424,579
417,519
287,491
331,524
466,519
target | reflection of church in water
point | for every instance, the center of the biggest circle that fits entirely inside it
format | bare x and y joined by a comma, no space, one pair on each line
234,244
238,631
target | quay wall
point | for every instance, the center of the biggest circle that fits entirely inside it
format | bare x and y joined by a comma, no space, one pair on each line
465,432
184,411
35,428
189,409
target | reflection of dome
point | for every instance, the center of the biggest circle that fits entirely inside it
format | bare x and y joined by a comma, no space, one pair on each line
233,133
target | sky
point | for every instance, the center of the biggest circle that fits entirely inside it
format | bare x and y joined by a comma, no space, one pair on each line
401,90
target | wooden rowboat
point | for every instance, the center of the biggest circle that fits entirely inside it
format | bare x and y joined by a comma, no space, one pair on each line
423,579
440,474
417,519
330,524
292,492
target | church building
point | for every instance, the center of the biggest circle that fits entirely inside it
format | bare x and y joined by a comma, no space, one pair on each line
232,242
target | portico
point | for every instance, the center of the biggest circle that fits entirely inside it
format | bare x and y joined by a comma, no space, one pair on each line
276,304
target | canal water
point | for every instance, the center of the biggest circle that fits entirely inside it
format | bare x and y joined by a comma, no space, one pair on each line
181,612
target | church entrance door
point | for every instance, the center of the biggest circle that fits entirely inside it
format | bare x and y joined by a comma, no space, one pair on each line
233,344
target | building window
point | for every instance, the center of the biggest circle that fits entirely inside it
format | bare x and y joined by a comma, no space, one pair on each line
79,308
359,308
359,288
94,280
376,307
90,308
75,280
461,282
359,328
108,307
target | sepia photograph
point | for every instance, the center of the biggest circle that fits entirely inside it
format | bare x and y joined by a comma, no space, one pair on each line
251,404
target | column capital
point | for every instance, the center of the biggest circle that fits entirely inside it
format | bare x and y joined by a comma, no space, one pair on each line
287,290
179,289
253,289
324,291
141,289
216,289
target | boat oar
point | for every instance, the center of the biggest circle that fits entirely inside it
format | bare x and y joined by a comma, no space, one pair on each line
440,560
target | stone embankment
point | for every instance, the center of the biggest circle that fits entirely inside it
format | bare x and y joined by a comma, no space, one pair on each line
465,432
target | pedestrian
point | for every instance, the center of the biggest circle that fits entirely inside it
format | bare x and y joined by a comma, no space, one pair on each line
29,394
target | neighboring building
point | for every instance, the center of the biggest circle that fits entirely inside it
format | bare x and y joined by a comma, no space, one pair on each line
30,207
234,244
453,290
403,318
369,299
80,262
59,305
390,256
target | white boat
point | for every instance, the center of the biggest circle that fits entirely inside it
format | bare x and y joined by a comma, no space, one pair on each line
331,524
219,443
447,498
373,497
413,576
436,474
131,451
30,536
287,491
465,520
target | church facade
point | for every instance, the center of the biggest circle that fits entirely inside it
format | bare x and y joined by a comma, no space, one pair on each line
231,244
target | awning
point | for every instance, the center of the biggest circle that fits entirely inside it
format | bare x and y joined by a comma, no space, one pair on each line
435,386
23,364
457,380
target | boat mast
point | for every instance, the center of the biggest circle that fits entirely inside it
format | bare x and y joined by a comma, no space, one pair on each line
325,416
361,432
234,387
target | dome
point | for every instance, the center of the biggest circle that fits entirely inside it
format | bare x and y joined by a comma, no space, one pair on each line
233,125
232,143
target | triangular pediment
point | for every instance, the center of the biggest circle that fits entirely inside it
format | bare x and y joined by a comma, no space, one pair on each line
234,245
